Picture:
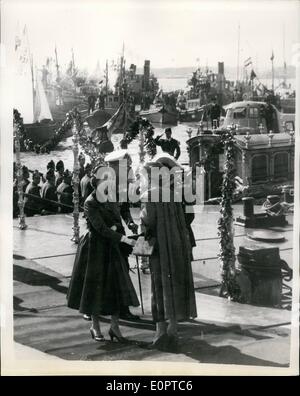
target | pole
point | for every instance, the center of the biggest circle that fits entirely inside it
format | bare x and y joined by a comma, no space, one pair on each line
140,286
57,67
75,179
284,62
106,82
22,224
272,75
238,56
73,62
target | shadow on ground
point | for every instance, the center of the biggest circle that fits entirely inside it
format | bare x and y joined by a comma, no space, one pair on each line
35,278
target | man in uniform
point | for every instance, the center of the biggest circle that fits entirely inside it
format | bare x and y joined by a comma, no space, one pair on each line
91,103
65,193
215,113
48,193
59,174
169,145
32,198
85,183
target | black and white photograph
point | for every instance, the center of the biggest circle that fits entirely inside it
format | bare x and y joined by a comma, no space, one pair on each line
149,188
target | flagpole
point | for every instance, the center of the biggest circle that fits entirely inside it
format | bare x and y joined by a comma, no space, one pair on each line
272,60
238,56
106,83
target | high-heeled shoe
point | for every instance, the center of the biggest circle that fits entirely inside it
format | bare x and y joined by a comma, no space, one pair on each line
113,335
95,336
161,343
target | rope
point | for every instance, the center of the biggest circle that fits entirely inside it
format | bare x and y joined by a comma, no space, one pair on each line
49,200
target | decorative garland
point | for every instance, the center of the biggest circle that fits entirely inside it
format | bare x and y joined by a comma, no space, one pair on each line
134,129
61,131
18,120
88,145
229,287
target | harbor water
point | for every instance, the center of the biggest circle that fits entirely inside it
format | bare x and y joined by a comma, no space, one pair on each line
64,149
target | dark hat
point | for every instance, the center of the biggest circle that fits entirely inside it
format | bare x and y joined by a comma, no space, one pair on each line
168,130
36,173
60,165
51,165
67,173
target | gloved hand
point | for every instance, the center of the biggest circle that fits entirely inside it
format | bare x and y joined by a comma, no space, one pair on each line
128,241
133,227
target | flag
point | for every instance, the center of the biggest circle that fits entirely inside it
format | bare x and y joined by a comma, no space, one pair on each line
252,75
272,56
248,62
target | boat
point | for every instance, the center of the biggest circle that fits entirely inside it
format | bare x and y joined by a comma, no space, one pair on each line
264,161
190,110
61,90
249,117
160,115
29,94
162,111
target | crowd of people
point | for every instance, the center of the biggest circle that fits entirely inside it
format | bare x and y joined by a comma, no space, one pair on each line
51,192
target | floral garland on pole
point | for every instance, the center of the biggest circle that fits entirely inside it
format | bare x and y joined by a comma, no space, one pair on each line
18,121
141,125
89,146
229,287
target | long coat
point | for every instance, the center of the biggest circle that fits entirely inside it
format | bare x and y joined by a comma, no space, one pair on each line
65,196
48,191
100,282
173,293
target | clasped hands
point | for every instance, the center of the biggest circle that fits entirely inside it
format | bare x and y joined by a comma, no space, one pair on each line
124,239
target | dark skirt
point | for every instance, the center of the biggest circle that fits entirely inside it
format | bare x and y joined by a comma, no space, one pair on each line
100,283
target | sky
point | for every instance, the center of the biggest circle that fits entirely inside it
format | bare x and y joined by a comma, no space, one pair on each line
169,33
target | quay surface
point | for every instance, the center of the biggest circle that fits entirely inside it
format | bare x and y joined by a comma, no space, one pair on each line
224,332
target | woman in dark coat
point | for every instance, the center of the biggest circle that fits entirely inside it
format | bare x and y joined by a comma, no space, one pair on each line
100,282
173,296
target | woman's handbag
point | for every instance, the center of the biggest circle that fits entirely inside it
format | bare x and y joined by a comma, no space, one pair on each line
144,247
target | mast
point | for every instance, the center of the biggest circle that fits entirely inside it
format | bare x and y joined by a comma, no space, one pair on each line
57,66
284,62
272,60
238,56
73,62
121,68
106,81
30,55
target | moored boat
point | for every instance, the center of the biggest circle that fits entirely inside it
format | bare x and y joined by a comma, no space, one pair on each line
160,115
264,161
